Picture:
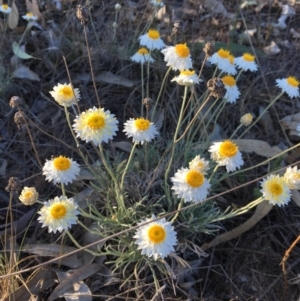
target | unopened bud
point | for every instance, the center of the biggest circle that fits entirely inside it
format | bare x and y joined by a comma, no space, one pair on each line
115,25
246,119
118,7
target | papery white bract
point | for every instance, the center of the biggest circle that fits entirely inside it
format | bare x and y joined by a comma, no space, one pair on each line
275,190
178,57
64,94
246,62
292,177
156,239
61,170
227,154
186,78
95,125
140,130
142,56
58,214
29,196
152,40
289,85
190,184
232,91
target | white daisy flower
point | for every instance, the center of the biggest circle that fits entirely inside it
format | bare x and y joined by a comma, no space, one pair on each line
190,184
142,56
29,196
157,3
4,8
246,119
227,154
292,177
224,61
30,17
275,190
199,164
187,78
64,95
61,170
178,57
289,85
95,125
152,40
156,239
58,214
246,62
232,91
140,130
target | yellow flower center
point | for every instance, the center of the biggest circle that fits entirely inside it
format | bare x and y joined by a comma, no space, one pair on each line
224,54
96,122
142,51
153,34
28,194
142,124
228,149
182,50
5,6
158,1
29,14
231,59
61,163
248,57
58,211
187,72
292,81
194,178
275,189
66,91
228,81
157,234
200,165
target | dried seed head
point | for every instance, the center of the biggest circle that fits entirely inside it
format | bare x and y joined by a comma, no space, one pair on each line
15,102
147,102
179,27
216,87
81,14
20,119
209,48
14,185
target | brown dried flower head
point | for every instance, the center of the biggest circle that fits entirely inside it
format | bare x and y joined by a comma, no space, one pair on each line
81,14
147,102
216,87
20,119
179,27
14,185
209,48
15,102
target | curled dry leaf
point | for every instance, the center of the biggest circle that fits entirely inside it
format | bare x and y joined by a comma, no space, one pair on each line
39,281
74,278
55,250
294,33
19,52
110,78
13,17
259,147
272,49
25,72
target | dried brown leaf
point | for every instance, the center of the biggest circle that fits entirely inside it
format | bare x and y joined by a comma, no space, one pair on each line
80,274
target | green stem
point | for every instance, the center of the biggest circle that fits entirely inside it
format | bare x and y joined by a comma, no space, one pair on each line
236,130
78,245
178,210
128,163
214,171
175,135
160,91
143,92
63,190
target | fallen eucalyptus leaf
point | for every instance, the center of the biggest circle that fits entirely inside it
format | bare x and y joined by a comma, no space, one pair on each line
13,17
25,72
18,51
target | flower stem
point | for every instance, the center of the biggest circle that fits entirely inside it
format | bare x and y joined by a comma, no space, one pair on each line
127,165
